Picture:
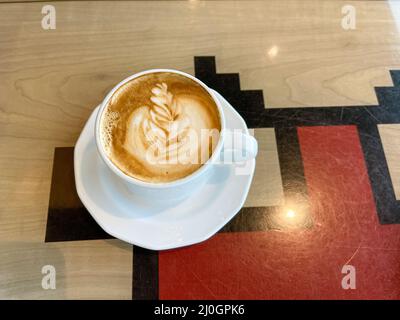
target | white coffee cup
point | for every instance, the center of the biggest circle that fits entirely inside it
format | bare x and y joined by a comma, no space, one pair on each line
181,188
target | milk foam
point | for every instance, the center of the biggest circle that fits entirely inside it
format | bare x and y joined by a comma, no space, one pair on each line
164,135
109,121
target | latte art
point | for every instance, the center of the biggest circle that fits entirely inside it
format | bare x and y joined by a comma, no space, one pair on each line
161,132
165,126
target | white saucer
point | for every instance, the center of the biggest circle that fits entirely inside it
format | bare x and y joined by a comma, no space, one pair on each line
151,226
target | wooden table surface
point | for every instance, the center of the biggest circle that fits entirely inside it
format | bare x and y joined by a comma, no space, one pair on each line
296,52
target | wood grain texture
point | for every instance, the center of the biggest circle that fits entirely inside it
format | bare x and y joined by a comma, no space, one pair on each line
390,137
266,189
22,1
84,269
50,81
296,51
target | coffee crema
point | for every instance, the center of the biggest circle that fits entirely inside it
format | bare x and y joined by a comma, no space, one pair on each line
160,127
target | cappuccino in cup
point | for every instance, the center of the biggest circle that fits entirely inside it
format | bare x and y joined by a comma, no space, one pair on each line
160,127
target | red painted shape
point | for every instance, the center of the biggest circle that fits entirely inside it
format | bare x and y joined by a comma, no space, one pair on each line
302,264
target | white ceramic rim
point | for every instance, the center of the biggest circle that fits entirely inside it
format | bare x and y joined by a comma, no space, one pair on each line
142,183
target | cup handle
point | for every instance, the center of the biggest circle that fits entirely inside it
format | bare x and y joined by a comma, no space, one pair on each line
237,147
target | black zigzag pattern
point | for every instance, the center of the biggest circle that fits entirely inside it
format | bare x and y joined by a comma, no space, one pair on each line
250,104
69,220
